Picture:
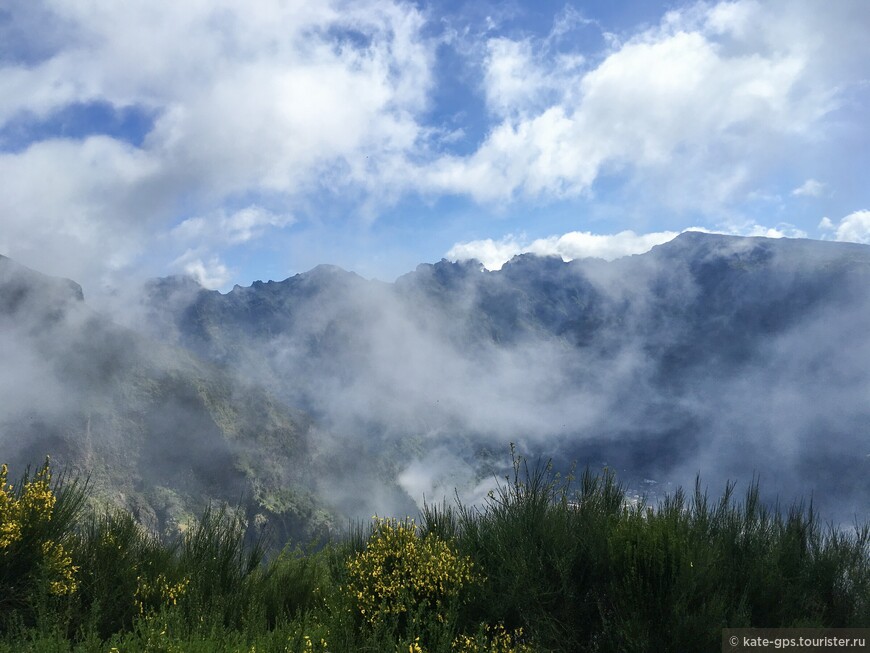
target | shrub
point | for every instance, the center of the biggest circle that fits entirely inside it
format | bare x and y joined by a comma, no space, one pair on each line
492,639
406,580
36,530
539,566
117,557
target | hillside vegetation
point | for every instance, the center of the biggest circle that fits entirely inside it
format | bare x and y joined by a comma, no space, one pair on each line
158,432
545,564
327,396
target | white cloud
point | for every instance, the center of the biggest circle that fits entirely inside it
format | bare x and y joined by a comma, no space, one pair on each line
278,98
782,230
493,254
519,78
734,18
511,79
290,100
211,274
78,209
854,228
810,188
240,227
686,106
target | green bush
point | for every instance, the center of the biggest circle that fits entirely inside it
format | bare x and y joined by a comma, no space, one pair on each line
37,517
544,564
118,564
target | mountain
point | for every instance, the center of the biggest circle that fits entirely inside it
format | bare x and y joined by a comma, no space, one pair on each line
327,395
158,431
721,355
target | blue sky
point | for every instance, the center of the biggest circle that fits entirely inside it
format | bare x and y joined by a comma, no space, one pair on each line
241,142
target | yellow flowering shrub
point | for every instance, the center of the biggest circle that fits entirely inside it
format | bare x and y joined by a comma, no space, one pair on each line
10,510
493,639
28,512
157,592
490,639
399,570
62,571
308,645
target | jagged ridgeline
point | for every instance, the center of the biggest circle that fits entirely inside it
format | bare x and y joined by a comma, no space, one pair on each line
725,355
329,394
158,431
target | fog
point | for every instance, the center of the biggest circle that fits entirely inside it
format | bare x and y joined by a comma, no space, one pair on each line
150,428
731,358
724,357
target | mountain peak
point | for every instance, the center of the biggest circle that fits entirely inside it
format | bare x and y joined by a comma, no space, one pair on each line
700,245
19,283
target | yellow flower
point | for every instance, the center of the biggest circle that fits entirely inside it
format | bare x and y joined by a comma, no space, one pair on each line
27,512
159,591
399,570
494,639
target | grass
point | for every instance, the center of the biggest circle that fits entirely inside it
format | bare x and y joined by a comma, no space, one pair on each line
545,564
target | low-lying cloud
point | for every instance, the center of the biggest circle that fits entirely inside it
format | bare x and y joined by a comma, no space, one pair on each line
493,254
662,365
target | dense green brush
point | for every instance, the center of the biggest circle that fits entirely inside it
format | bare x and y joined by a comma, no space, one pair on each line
545,563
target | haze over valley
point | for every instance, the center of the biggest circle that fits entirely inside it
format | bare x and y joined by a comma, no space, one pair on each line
327,396
326,260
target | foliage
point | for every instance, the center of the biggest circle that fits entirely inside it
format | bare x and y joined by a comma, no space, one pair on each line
36,528
492,639
399,572
545,564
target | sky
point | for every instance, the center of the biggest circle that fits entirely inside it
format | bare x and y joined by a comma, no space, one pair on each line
252,141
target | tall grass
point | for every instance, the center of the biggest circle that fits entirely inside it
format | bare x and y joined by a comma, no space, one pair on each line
546,563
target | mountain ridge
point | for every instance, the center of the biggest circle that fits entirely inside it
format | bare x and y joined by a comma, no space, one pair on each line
156,430
577,355
724,355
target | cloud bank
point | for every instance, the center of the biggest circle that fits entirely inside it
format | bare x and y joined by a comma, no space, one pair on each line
275,101
132,135
569,246
689,102
493,254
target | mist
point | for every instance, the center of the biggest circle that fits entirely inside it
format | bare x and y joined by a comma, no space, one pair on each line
149,427
728,358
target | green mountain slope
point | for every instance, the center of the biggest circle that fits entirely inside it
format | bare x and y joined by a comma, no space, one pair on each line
157,430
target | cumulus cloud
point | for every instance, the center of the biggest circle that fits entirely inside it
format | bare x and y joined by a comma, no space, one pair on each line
510,78
282,99
211,273
519,79
239,227
493,254
691,100
77,209
782,230
282,105
854,228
